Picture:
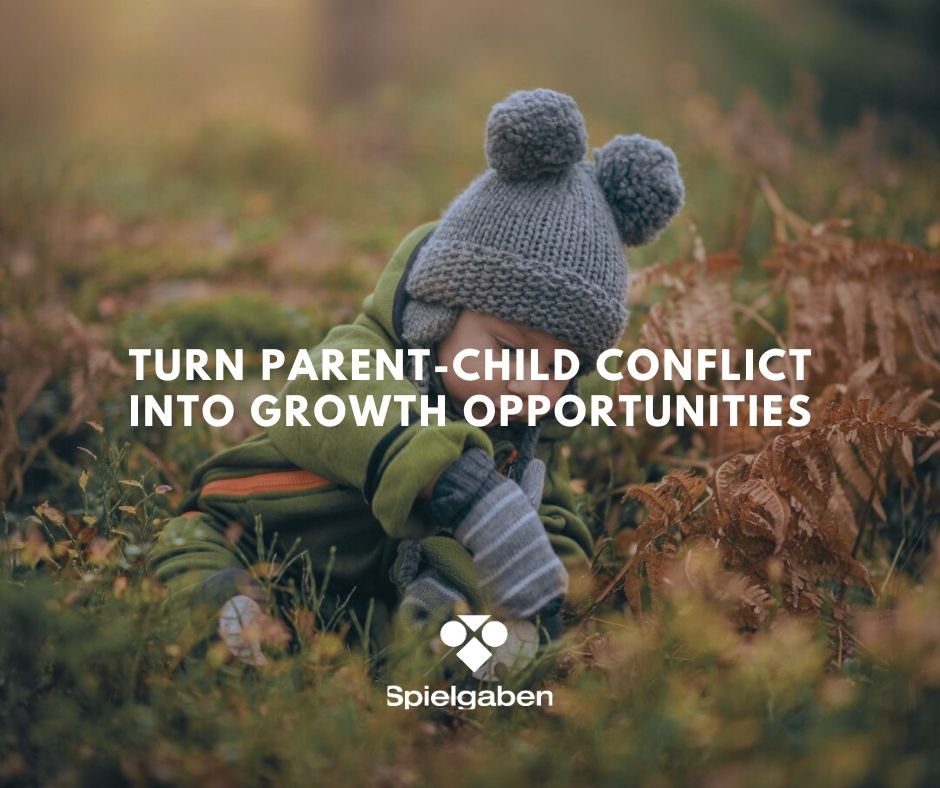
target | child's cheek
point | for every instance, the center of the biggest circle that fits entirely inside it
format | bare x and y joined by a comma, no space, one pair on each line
555,389
459,389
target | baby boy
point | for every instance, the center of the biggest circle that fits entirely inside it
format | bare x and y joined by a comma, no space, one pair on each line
418,518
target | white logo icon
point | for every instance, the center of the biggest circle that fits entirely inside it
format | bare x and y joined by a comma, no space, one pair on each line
514,646
474,654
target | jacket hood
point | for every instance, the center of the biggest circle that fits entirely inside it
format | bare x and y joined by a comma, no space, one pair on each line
386,303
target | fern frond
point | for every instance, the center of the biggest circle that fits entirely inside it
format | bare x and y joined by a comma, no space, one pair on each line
652,497
727,477
881,306
766,510
851,298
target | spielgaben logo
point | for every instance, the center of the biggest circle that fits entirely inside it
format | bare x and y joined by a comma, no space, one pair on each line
515,646
489,647
474,654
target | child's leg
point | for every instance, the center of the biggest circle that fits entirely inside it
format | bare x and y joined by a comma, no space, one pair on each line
200,570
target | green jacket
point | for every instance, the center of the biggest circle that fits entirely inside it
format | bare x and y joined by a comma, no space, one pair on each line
349,487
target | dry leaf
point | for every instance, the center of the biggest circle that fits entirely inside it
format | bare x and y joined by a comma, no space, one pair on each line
53,515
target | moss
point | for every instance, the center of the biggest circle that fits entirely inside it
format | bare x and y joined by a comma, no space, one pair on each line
250,321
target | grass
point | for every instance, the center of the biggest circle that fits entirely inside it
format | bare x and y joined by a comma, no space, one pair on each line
254,234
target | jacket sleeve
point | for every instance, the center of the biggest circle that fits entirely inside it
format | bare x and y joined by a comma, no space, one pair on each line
568,533
390,463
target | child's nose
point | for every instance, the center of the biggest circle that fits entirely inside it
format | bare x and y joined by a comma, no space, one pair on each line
525,387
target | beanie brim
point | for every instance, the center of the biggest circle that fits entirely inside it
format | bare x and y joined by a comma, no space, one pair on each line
512,287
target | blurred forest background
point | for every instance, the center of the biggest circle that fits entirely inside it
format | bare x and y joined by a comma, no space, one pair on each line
235,173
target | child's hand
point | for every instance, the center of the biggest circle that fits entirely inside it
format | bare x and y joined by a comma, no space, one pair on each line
428,595
523,642
517,652
516,565
244,626
532,482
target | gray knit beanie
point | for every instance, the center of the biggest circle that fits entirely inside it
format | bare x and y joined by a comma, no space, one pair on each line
538,238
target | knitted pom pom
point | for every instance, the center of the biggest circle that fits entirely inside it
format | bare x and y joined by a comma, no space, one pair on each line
534,133
640,179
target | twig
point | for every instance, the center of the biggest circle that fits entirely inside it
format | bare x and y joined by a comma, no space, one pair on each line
168,473
891,568
783,216
609,623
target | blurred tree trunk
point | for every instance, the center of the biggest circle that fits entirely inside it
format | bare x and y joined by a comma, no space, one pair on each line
43,46
360,49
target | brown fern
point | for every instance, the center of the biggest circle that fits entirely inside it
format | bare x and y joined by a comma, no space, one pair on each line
788,507
782,516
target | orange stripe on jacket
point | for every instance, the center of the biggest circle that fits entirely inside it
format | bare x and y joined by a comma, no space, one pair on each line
279,481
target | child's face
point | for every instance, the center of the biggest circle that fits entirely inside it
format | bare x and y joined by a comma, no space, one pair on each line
482,331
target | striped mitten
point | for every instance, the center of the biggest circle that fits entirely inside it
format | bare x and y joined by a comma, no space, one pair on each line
495,520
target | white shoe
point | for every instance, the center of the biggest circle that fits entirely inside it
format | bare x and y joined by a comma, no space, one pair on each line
240,627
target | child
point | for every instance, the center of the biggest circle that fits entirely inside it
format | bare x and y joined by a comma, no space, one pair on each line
425,517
